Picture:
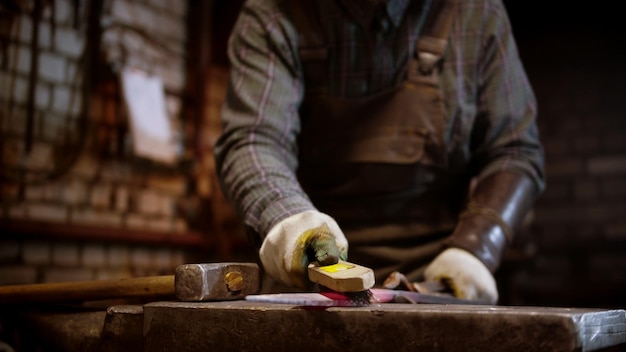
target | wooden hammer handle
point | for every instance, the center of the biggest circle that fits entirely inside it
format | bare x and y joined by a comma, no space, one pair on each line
150,286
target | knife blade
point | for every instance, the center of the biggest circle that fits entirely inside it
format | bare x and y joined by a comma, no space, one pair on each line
337,299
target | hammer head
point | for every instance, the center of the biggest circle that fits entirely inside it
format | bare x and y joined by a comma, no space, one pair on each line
216,281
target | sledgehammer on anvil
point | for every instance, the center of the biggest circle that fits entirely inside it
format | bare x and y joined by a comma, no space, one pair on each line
191,282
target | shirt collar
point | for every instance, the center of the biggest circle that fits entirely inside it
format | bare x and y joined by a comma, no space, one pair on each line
364,11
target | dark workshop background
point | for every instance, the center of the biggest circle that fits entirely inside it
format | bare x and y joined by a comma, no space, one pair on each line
77,205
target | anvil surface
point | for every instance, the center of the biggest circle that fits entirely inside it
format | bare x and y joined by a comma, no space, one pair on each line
250,326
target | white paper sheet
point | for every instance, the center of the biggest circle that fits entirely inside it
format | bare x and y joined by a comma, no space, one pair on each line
150,127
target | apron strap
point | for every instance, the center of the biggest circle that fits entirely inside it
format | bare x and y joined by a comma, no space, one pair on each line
312,48
432,43
313,51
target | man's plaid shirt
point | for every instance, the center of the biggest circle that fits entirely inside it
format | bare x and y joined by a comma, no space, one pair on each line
490,106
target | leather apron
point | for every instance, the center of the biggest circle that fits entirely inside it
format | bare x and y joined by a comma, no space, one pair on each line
378,164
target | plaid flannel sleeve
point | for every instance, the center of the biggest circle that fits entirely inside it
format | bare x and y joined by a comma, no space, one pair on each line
505,135
256,155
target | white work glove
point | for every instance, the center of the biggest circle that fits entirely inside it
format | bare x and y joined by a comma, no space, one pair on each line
465,274
289,245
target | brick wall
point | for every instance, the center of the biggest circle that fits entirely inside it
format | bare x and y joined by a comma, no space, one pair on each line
579,232
81,174
31,261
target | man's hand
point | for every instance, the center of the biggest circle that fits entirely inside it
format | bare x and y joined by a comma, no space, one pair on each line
467,276
293,242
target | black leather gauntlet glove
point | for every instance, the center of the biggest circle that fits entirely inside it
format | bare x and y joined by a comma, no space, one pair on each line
494,213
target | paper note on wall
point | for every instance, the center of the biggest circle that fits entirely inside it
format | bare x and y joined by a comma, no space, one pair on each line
151,131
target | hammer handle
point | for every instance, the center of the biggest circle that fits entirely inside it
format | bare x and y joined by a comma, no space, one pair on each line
150,286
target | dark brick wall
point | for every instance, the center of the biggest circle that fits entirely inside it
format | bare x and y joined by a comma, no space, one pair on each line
576,62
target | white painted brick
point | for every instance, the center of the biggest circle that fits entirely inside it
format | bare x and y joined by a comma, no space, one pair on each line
135,221
55,125
25,29
122,198
153,55
97,218
53,192
20,90
65,100
5,86
74,192
108,274
10,251
93,256
45,35
67,274
34,193
177,7
159,225
15,124
101,195
47,13
116,171
177,257
71,70
25,32
69,42
172,76
111,46
118,256
39,158
36,252
160,4
146,17
162,259
42,95
172,105
171,26
174,185
148,203
23,59
65,254
125,12
47,212
145,271
166,206
86,166
180,226
74,109
17,275
141,257
17,211
63,11
51,67
49,192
